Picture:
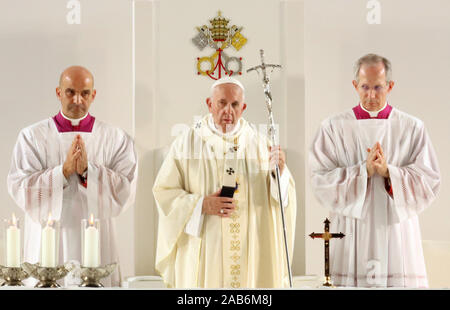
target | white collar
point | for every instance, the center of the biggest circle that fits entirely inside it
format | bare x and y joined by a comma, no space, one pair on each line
219,132
374,113
74,122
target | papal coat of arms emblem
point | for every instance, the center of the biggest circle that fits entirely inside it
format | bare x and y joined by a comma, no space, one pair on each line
219,37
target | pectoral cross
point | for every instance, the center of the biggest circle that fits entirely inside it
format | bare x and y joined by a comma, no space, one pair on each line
230,171
326,236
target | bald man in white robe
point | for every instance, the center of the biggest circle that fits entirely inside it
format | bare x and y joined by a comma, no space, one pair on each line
70,166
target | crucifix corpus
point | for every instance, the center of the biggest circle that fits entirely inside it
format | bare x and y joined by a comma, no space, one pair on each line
326,236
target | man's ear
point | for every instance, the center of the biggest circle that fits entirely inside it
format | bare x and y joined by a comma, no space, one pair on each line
391,85
209,103
244,107
58,92
355,84
94,93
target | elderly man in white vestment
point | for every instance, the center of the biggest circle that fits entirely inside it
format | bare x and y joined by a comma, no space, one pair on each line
375,168
70,166
209,241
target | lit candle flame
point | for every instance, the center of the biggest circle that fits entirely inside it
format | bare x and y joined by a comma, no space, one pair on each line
14,220
91,220
50,221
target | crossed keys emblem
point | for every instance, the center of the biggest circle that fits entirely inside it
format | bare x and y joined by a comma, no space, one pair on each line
219,36
230,171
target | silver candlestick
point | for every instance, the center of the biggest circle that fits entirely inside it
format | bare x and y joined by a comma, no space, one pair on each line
13,276
90,276
47,276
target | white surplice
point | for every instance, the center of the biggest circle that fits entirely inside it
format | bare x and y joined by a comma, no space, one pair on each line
245,250
38,186
382,244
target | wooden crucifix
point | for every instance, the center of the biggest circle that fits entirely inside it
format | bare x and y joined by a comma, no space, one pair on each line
326,236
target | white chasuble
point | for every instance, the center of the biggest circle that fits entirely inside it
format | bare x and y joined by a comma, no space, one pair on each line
382,244
36,183
244,250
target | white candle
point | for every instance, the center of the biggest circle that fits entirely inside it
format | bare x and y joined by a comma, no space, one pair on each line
13,244
48,245
91,257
